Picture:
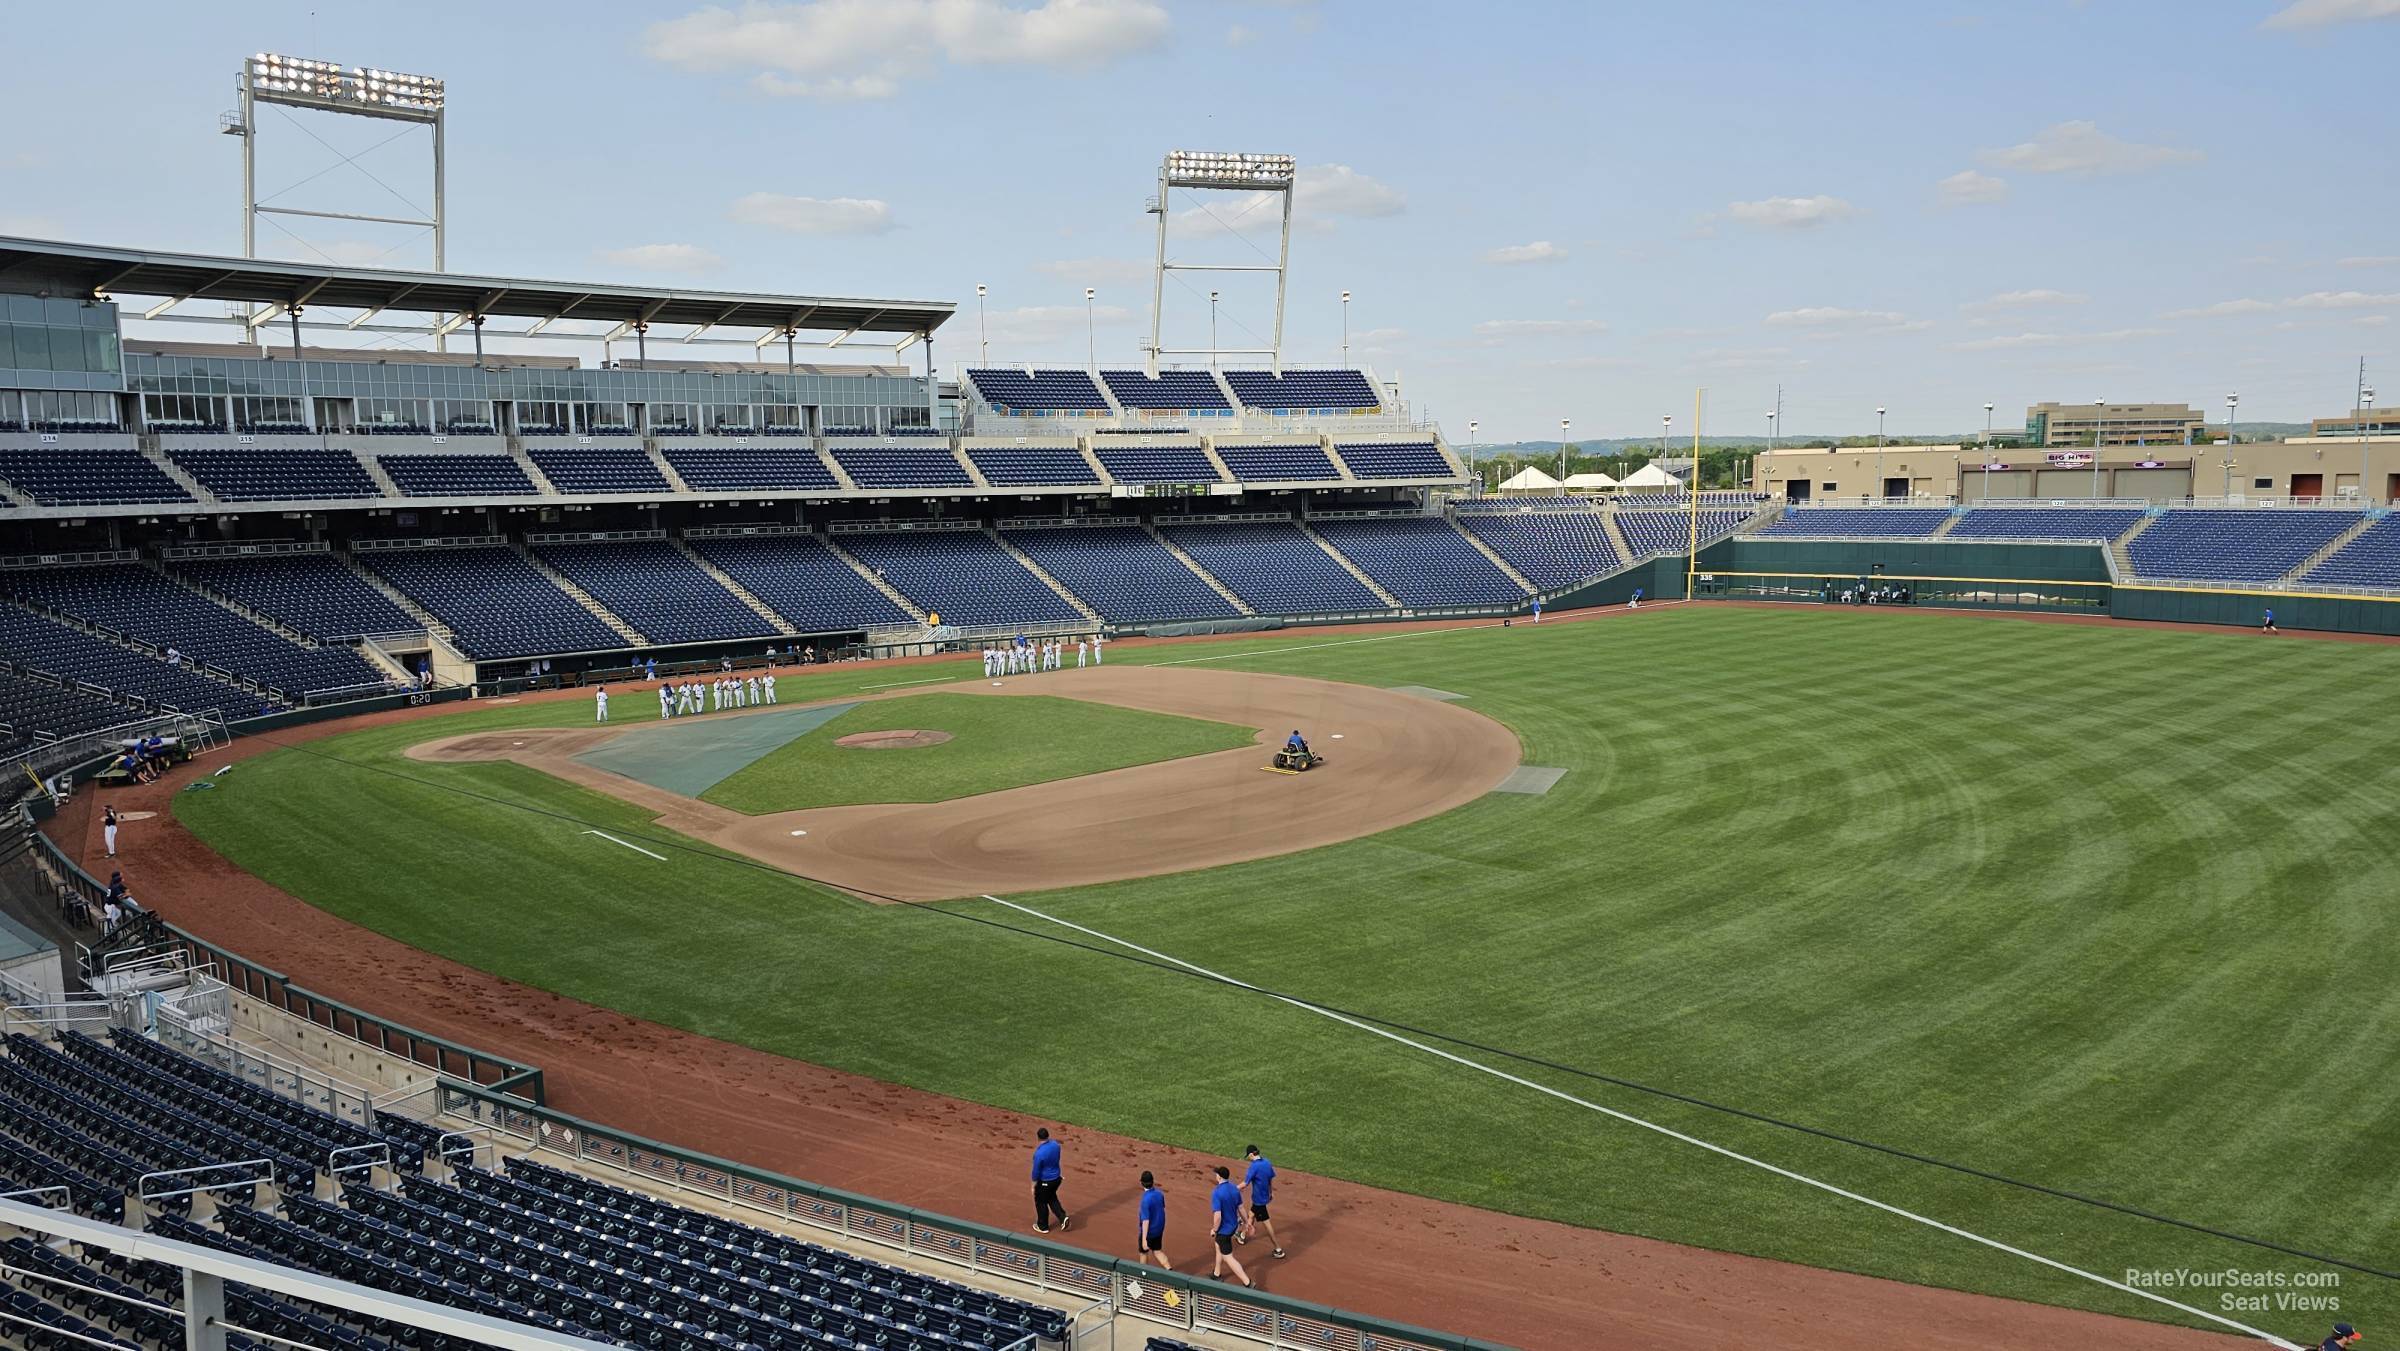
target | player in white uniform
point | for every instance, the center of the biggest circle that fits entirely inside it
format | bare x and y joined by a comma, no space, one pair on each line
1097,640
666,702
768,685
750,689
600,697
1081,651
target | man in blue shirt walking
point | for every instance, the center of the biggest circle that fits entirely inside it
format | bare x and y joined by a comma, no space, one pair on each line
1150,1228
1045,1184
1260,1179
1225,1216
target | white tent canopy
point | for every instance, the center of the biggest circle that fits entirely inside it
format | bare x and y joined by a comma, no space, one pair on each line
1589,482
1650,476
1529,480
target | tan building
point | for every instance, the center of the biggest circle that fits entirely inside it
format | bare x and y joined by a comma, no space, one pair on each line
2057,425
2378,421
2302,467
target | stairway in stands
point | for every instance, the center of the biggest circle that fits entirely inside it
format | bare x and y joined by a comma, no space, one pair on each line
628,632
739,592
1347,566
1202,573
1090,615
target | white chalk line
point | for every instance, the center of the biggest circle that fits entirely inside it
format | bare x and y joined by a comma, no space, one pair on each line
628,844
1671,1133
892,684
1382,638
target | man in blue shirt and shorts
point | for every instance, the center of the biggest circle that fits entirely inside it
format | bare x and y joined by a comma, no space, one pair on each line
1260,1179
1225,1216
1150,1229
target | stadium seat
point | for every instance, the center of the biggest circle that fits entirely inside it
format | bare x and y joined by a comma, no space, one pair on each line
592,469
457,475
1304,391
652,585
1123,573
1550,548
1185,391
1274,567
1420,560
494,603
800,579
2096,524
2372,559
1020,391
143,604
1156,464
963,575
1031,466
1412,459
81,476
275,473
1278,464
1670,532
782,468
313,594
1858,523
28,639
2237,545
901,466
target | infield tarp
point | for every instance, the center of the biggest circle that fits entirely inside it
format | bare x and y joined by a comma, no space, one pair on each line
690,755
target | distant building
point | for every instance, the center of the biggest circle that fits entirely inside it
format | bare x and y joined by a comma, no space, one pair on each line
2118,424
2378,422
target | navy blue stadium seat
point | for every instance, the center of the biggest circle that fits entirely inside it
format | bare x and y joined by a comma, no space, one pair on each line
1670,532
797,577
1859,522
79,476
1303,391
2372,559
901,466
1274,567
1420,560
275,473
1278,464
1156,464
1017,390
1189,391
494,603
1411,459
1031,466
308,593
2257,544
653,586
457,475
140,603
589,469
779,468
1123,573
2061,523
48,645
963,575
1549,548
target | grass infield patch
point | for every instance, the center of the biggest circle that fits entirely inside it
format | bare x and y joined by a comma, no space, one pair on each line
995,743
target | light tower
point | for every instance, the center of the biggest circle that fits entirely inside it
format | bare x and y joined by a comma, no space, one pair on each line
1220,171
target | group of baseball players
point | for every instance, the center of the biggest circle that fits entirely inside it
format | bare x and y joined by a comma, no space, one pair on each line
1228,1225
1025,656
681,699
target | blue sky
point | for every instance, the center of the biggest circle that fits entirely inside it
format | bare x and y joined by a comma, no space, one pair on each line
1541,210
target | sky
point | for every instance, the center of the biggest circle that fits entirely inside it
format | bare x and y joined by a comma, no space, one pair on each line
1585,211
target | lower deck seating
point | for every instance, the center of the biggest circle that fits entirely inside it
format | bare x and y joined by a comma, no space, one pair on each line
963,575
797,577
1859,522
33,711
2372,559
49,645
146,605
1421,560
653,586
2257,544
1274,567
1670,532
1548,548
1123,573
315,594
2095,524
495,603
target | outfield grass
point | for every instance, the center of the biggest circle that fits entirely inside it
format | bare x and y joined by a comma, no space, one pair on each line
2105,908
995,743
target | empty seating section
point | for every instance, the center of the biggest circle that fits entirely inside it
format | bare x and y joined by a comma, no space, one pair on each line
2067,523
1421,560
1276,464
313,594
1670,532
963,575
1859,522
457,475
2372,559
1548,548
1412,459
799,578
1156,464
1016,390
650,584
760,468
31,640
79,477
1189,391
1123,573
142,604
1030,466
579,469
36,710
1303,391
275,473
1709,497
902,466
2253,545
1274,567
495,603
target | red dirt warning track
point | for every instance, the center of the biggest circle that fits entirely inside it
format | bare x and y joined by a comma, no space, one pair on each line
1539,1285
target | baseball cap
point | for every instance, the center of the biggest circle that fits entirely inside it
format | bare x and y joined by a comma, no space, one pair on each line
2344,1330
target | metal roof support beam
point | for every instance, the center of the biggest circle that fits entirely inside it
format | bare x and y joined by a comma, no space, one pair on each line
730,311
373,310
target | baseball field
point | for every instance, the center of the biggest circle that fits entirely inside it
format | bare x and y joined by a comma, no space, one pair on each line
2102,909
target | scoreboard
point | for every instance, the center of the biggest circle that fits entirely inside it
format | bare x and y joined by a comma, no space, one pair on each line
1173,489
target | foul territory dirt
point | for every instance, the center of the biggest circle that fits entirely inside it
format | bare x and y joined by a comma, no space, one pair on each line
1526,1282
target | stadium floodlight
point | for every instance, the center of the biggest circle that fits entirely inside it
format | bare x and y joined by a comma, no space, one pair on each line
983,335
1255,175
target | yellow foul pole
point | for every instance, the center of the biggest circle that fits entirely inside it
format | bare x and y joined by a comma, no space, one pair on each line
1691,560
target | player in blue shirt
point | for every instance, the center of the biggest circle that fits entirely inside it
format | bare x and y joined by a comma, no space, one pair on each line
1045,1184
1260,1179
1150,1229
2270,626
1225,1218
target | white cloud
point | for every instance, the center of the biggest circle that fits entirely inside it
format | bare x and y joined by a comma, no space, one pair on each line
1504,329
2025,300
2343,300
1095,271
2373,320
2017,340
2372,260
1321,193
853,49
1834,321
2221,309
1969,187
2081,148
2323,13
1539,251
1791,213
814,215
662,258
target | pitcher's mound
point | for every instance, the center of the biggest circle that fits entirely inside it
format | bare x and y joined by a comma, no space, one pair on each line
891,741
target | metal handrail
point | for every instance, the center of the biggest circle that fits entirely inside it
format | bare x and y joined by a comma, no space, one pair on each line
141,1186
368,1165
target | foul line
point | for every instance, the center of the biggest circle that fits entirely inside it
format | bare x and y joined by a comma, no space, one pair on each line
1672,1134
634,847
1385,638
892,683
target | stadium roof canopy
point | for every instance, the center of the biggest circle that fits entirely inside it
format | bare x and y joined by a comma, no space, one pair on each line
82,271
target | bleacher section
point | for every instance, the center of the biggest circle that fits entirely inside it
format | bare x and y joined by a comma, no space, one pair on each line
1420,560
1278,464
583,469
495,603
1303,391
901,466
142,604
1548,548
650,584
799,578
1123,573
308,593
1412,459
29,707
1670,532
456,475
1182,391
1859,522
1273,567
275,473
2372,559
2095,524
82,476
963,575
1156,464
2252,545
32,640
1019,391
758,468
1031,466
